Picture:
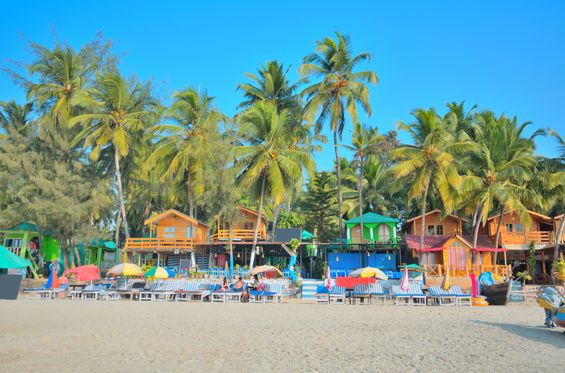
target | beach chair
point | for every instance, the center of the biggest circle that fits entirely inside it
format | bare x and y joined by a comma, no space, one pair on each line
202,292
146,295
461,298
400,297
217,294
438,295
418,298
183,293
361,292
234,296
322,294
273,293
337,295
165,292
256,296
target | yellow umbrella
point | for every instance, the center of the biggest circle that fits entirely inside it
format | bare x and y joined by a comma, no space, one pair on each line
126,269
369,272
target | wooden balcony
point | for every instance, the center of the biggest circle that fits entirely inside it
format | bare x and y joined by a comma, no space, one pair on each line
159,244
439,270
236,235
525,238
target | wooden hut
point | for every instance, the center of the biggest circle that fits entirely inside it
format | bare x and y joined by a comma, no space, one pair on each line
515,236
376,229
453,253
243,229
436,224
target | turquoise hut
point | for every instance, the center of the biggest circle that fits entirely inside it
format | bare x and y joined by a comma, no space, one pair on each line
376,229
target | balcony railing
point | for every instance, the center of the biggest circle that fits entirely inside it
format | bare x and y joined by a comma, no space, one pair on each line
440,269
158,244
539,237
236,235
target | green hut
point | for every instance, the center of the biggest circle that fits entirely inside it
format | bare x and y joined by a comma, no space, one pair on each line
99,252
376,229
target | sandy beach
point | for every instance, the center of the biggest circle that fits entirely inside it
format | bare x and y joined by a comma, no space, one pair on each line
65,336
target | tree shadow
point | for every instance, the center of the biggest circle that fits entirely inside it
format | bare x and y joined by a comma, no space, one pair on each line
553,336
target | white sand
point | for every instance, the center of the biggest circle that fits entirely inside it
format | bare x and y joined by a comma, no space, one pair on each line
75,336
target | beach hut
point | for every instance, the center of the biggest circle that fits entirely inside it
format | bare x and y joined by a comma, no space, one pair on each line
376,229
436,224
99,252
243,228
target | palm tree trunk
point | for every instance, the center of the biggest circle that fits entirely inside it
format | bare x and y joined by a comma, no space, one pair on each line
230,246
120,191
360,190
497,237
275,220
65,254
72,262
190,196
339,196
423,227
558,240
77,254
117,237
476,225
258,223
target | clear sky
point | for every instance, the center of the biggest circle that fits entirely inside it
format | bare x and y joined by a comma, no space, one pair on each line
508,56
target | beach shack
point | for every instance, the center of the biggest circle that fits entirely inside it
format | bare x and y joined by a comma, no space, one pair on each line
23,241
454,252
99,252
376,229
243,228
436,224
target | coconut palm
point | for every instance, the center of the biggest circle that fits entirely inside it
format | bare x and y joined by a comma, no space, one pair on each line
340,90
429,162
365,141
559,188
115,112
15,117
185,146
269,165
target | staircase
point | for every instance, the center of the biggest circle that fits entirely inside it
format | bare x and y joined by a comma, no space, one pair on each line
309,287
516,292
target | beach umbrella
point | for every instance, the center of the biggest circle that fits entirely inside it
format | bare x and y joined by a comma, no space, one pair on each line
88,272
265,268
405,282
369,272
328,279
126,269
474,287
11,260
159,272
446,283
413,268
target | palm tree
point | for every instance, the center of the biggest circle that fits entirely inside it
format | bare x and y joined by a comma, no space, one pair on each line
15,117
116,111
501,163
429,161
184,147
365,142
559,237
270,165
339,90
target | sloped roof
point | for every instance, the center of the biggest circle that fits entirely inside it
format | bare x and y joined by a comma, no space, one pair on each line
433,212
170,212
371,217
24,226
437,243
252,212
542,216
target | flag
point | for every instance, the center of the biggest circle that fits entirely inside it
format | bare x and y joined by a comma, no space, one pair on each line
405,282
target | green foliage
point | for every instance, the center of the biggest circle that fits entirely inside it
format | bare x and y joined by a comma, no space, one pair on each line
320,206
290,219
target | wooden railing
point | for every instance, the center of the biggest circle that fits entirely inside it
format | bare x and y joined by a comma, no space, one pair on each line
539,237
439,270
236,234
158,244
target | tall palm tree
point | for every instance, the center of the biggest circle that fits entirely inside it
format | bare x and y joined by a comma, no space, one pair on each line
269,165
15,117
429,161
339,90
365,141
184,147
559,237
115,112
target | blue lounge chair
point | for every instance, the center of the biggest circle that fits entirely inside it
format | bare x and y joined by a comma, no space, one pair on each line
322,294
273,293
438,295
337,295
461,298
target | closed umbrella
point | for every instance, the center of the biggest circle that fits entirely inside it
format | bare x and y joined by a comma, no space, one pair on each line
405,282
328,279
446,283
369,272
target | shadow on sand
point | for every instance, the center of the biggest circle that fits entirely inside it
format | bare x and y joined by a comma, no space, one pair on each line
553,337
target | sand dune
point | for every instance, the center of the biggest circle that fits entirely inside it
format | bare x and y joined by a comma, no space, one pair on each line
65,336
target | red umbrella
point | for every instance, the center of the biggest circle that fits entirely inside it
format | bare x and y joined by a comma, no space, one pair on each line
88,272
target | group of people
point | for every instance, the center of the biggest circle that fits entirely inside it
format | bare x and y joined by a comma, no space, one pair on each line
239,285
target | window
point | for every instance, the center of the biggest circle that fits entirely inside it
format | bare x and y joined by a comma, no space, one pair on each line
248,225
439,230
519,228
169,232
431,230
189,231
509,228
384,233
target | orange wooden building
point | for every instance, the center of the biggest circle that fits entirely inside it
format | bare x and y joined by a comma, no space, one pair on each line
514,235
243,228
170,232
436,225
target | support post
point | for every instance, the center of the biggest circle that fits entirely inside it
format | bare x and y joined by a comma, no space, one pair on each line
193,259
372,235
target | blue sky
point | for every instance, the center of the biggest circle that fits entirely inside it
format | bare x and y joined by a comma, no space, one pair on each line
508,56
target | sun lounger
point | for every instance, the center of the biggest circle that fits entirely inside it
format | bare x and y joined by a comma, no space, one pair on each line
322,294
256,296
337,295
202,292
363,293
400,297
185,291
165,292
217,294
146,295
438,295
462,298
273,293
234,296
